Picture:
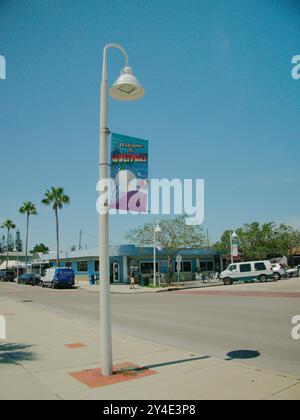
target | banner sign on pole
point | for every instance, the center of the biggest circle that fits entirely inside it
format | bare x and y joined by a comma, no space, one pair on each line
235,250
129,171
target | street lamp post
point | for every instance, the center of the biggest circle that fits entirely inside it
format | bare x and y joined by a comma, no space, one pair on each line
126,88
16,250
157,229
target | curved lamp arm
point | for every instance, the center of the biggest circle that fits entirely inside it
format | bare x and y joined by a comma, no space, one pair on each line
118,47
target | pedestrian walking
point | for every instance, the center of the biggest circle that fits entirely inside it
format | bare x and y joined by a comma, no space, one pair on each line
132,281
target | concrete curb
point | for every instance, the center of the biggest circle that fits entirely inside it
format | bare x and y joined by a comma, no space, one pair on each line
162,290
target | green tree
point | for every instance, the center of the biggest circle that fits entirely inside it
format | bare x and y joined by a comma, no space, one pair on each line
11,243
260,241
2,245
40,248
257,241
9,225
18,242
57,198
175,236
223,246
2,248
28,209
287,238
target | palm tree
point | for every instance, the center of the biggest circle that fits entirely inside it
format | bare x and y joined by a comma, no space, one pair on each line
58,198
9,225
29,209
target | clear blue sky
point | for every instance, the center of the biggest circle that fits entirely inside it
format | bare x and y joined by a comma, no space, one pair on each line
220,104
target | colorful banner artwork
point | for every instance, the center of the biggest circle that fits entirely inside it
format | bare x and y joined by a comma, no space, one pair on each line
129,171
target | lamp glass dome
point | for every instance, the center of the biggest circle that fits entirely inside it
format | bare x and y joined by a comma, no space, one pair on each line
127,87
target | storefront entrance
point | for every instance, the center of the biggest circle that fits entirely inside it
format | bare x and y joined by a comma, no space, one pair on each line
116,273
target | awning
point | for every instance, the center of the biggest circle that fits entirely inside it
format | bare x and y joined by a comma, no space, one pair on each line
12,264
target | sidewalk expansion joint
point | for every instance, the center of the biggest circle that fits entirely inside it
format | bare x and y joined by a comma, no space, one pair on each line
283,390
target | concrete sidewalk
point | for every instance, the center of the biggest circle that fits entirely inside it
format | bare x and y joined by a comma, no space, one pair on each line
124,288
36,364
118,288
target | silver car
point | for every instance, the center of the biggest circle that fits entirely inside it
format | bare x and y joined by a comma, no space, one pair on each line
293,272
279,271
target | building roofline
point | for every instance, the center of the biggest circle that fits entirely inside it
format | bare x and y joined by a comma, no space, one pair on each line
126,250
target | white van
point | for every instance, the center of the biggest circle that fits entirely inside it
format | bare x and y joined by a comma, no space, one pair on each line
248,272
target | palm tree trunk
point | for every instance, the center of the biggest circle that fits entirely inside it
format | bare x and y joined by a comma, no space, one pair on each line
57,238
7,247
26,248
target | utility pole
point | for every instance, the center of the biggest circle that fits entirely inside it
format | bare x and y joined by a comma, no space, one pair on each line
207,243
80,237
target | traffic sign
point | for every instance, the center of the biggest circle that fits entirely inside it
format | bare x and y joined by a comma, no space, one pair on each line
179,259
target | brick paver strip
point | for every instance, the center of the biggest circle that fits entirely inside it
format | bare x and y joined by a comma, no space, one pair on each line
123,372
75,345
295,295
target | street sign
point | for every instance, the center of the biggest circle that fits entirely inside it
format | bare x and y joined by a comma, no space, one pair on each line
178,265
179,259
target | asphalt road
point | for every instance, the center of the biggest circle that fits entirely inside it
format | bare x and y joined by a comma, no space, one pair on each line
209,323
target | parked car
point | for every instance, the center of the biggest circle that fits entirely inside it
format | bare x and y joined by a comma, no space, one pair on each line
30,279
7,275
293,272
248,272
58,277
279,271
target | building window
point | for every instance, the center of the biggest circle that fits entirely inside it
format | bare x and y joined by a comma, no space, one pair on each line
186,266
147,267
82,266
207,265
68,264
96,266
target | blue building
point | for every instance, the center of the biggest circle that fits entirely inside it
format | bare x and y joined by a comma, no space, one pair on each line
129,258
